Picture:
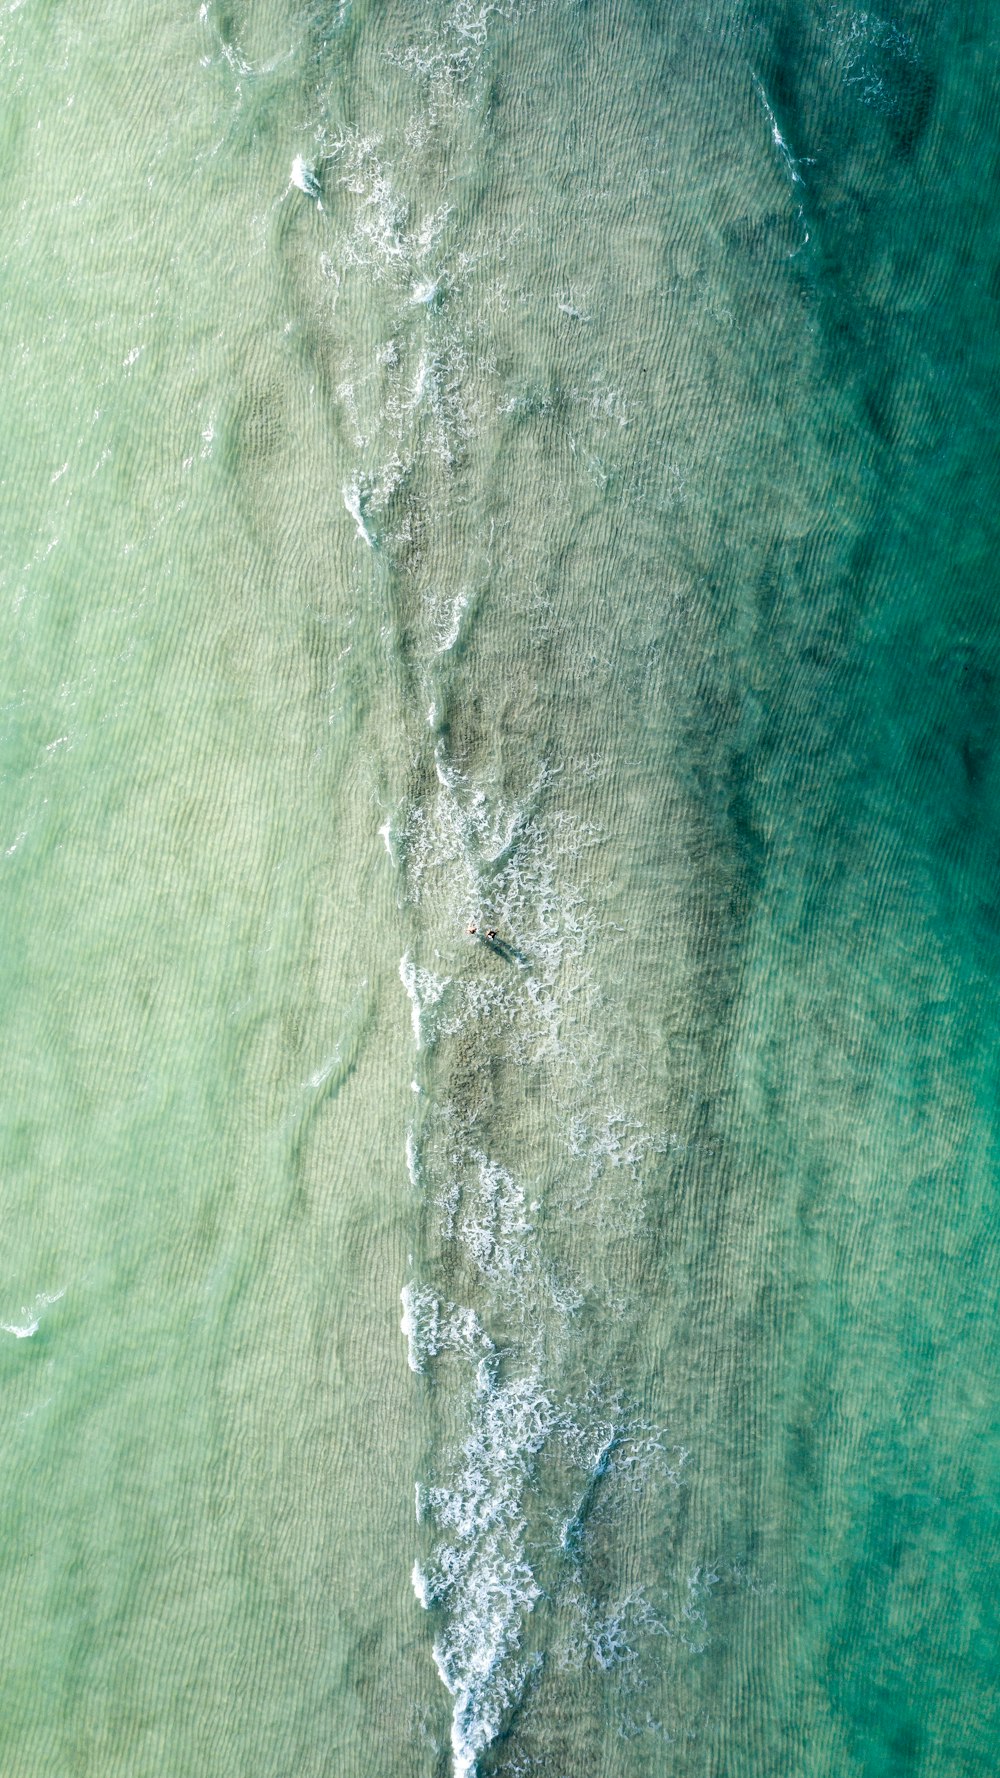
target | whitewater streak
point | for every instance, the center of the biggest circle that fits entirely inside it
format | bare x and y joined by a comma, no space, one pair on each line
465,848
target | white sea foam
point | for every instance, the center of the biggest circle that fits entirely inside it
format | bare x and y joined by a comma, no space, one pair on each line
785,153
389,241
450,631
420,1587
609,1632
419,1325
352,501
424,990
567,306
501,855
869,50
695,1617
481,1577
495,860
380,240
431,1326
303,176
420,381
566,1298
495,1228
322,1074
787,158
617,1140
31,1318
467,829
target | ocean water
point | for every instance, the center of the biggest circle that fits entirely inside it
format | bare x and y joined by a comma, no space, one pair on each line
526,467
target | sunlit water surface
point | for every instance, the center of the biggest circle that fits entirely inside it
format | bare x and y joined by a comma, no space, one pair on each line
525,468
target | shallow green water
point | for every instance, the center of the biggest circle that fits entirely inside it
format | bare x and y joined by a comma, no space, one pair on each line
526,468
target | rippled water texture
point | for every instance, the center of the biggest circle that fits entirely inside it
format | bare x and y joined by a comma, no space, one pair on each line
500,815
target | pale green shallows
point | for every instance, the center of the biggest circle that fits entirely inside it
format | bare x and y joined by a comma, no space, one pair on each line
527,467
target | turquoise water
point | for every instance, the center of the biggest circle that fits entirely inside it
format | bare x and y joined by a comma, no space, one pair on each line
528,468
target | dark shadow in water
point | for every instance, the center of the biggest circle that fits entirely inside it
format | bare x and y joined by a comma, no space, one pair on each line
501,947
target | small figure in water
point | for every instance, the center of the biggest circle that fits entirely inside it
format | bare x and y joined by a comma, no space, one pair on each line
490,933
472,929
